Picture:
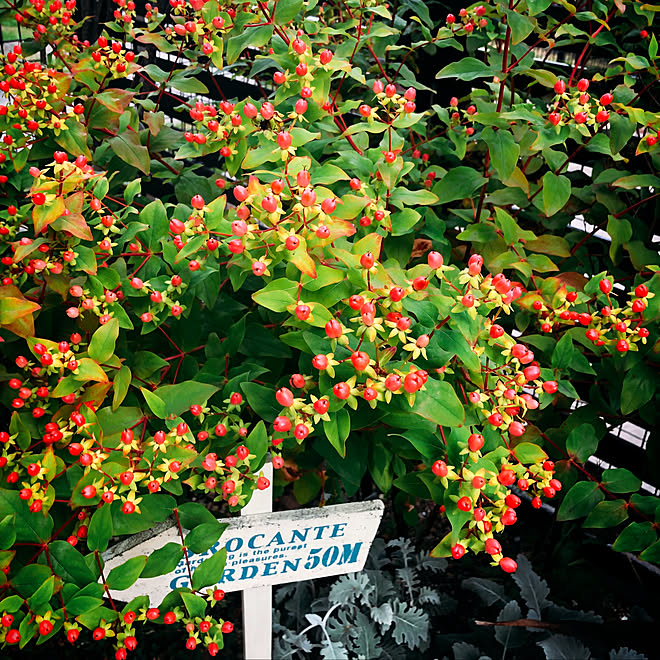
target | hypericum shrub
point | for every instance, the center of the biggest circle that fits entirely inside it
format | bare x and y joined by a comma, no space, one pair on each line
326,269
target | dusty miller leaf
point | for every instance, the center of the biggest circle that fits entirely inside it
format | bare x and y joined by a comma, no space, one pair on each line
333,651
508,636
365,638
408,577
532,588
561,647
559,613
434,564
383,587
411,625
348,588
490,592
427,595
465,651
626,654
383,615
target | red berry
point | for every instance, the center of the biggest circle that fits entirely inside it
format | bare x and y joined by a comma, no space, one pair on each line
493,547
284,397
506,477
440,469
508,565
475,442
464,504
457,551
341,390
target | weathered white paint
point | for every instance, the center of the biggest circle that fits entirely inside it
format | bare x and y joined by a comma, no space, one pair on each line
258,602
265,549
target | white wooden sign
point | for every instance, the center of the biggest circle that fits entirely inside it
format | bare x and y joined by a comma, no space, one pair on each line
267,549
263,549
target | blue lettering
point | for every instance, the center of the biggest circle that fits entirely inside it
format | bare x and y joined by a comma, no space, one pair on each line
351,553
276,539
330,556
338,530
297,535
270,568
290,565
227,575
237,541
244,572
319,534
251,542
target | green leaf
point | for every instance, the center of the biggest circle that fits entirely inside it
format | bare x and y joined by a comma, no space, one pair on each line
307,487
100,529
580,500
556,192
69,564
11,604
192,514
210,570
504,150
102,344
638,388
80,604
253,37
261,399
337,430
607,514
620,480
562,355
537,6
466,69
549,244
154,509
277,295
439,404
635,537
402,196
195,605
582,442
510,228
458,183
636,181
528,452
204,536
257,443
521,26
163,561
123,576
30,528
120,386
178,398
128,148
42,595
90,370
7,531
621,130
155,403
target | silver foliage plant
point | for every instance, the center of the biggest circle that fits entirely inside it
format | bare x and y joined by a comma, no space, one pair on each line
384,612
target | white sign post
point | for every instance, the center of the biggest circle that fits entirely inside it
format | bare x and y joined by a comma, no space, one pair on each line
258,602
264,549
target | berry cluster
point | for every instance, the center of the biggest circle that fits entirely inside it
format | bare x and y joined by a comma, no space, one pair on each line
48,20
577,106
469,19
617,327
485,495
